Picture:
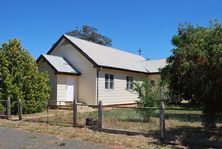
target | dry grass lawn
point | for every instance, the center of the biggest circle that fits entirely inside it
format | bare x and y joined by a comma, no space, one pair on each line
180,125
112,140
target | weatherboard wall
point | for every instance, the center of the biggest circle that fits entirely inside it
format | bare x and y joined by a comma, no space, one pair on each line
87,80
118,95
61,88
44,67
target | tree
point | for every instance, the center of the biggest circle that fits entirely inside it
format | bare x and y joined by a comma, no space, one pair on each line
21,79
148,97
90,34
194,69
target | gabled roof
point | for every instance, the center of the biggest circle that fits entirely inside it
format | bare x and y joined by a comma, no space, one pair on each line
107,57
59,64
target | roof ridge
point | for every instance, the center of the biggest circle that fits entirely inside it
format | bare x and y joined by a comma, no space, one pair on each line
119,50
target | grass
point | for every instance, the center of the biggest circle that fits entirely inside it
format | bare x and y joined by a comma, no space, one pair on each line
180,125
111,140
124,118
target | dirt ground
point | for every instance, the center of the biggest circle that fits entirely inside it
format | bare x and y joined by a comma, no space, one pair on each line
112,140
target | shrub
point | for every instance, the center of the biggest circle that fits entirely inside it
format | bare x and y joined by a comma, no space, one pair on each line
21,79
1,108
148,97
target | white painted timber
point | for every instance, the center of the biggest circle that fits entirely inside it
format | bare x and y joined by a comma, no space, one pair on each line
87,80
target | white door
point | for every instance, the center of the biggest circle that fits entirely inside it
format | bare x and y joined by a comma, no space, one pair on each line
69,88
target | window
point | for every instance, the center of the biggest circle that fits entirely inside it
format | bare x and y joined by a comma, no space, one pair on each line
109,81
129,83
152,82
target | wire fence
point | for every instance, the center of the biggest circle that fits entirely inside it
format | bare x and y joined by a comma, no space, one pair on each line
62,116
177,123
132,118
186,126
3,108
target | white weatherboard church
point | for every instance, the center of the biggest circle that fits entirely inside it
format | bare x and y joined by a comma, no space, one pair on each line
90,72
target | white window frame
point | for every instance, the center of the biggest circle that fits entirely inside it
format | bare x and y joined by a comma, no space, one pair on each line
129,83
109,81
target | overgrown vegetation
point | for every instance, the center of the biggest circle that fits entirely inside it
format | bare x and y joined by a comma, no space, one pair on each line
194,69
21,79
148,97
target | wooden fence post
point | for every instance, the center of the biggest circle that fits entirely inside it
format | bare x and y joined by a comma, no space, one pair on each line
8,108
100,115
162,121
74,112
20,109
47,110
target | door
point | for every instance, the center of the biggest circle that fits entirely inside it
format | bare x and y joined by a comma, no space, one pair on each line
69,88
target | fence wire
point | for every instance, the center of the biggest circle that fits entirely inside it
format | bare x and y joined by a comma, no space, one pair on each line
186,126
3,104
132,118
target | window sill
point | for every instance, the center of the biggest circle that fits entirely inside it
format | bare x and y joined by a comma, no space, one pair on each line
129,90
109,90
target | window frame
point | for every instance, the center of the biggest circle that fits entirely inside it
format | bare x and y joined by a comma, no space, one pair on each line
109,81
129,83
153,83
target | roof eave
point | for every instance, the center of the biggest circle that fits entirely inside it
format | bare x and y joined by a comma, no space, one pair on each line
128,70
68,73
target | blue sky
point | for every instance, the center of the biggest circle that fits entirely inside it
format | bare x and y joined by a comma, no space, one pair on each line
131,24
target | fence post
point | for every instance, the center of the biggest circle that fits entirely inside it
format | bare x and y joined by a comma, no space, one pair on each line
74,112
100,115
8,108
162,121
47,110
20,109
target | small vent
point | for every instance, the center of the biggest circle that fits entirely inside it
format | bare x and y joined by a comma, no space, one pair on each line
65,43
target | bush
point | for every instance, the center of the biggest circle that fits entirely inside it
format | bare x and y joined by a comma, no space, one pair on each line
21,79
1,109
148,97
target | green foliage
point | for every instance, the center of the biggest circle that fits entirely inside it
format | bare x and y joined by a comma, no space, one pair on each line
90,34
148,97
21,79
195,67
1,108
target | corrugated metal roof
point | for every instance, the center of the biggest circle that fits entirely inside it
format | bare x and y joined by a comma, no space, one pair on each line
60,64
153,66
110,57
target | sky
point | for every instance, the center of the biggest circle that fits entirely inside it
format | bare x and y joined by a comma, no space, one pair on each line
131,24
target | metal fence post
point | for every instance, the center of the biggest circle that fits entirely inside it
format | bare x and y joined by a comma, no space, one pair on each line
74,112
100,115
162,121
8,108
20,109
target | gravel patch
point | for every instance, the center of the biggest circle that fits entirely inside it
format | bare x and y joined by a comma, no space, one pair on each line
18,139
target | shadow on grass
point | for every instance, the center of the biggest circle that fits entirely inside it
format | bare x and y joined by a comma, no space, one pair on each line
193,137
173,116
184,117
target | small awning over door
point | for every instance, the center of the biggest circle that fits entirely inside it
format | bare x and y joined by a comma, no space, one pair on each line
59,65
